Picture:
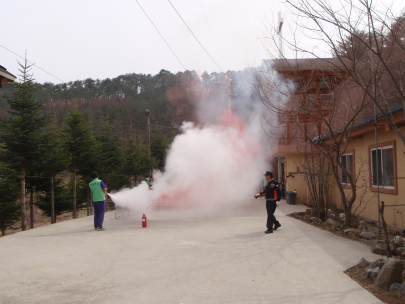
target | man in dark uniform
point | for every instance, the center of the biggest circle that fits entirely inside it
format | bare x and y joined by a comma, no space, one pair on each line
273,196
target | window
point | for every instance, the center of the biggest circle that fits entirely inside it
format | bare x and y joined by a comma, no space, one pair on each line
347,162
383,164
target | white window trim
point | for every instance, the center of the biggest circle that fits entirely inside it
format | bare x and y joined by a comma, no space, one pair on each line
371,158
341,173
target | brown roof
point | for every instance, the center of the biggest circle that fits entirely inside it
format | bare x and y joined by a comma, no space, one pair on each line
305,72
307,64
7,74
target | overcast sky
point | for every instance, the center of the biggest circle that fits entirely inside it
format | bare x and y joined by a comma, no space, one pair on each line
99,38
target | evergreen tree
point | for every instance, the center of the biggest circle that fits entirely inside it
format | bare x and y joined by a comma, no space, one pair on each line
54,163
81,147
55,202
9,193
21,132
111,157
159,145
63,195
136,159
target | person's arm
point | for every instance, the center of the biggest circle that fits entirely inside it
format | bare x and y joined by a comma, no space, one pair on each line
104,187
278,193
263,193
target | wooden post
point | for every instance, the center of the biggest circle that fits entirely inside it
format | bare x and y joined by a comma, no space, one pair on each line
31,207
74,191
53,216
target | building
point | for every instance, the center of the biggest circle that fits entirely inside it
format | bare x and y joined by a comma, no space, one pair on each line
319,79
5,76
312,78
361,158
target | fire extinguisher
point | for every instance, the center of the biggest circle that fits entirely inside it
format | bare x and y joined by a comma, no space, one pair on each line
144,221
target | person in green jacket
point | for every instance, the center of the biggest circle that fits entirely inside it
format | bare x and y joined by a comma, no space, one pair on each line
149,181
99,190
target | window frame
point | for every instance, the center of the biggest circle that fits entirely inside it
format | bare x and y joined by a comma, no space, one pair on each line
349,152
383,189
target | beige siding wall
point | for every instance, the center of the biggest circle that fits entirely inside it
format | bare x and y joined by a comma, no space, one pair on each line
395,216
366,203
296,183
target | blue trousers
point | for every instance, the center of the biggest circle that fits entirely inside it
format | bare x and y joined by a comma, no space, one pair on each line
99,210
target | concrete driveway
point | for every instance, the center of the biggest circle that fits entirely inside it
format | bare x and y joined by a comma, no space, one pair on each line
181,258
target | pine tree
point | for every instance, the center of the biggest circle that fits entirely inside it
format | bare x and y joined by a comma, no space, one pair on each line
9,193
159,145
21,132
60,194
81,147
55,162
136,159
111,157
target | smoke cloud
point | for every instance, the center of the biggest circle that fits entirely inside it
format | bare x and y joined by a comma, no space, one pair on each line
213,166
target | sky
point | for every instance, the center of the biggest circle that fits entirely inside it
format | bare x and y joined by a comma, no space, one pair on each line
103,39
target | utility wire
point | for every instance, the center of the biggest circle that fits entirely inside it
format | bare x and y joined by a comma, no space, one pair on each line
33,64
195,36
213,36
161,35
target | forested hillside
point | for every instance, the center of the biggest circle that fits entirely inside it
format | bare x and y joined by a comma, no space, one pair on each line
122,100
88,125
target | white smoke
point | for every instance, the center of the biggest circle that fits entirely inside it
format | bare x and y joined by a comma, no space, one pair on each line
212,167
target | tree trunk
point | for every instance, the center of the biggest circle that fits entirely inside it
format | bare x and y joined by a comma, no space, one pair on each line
3,228
88,200
131,183
74,191
321,195
23,207
347,210
91,203
53,217
387,240
348,217
32,207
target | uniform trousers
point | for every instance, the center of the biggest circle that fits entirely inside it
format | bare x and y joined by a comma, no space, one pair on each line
271,206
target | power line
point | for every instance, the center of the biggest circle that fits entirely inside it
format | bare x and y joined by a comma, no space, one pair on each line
161,35
33,64
213,36
195,36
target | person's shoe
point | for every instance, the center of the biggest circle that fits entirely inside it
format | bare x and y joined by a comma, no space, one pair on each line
100,229
276,226
268,231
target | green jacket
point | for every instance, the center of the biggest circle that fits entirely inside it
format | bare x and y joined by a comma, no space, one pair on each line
98,192
149,181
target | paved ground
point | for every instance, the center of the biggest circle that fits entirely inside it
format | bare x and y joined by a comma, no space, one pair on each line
181,259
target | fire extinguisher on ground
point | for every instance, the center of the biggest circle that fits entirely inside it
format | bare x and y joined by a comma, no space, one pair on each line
144,221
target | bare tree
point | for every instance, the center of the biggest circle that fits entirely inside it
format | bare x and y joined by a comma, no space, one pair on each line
367,39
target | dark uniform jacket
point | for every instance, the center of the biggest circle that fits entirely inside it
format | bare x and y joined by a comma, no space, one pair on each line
272,191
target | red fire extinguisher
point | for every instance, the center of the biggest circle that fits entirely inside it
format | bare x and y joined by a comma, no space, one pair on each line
144,221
